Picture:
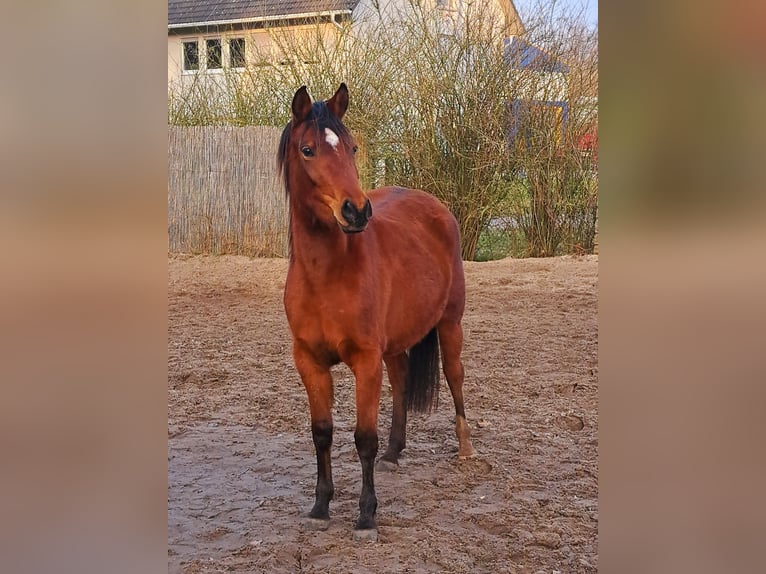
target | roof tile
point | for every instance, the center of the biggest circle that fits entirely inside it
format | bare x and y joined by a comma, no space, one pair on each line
194,11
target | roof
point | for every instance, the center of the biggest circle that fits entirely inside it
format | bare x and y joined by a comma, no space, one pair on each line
188,12
523,55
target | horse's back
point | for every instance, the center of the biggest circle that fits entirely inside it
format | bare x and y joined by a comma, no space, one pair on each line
419,244
412,217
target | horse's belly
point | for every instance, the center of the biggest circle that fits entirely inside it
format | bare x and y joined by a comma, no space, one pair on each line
410,318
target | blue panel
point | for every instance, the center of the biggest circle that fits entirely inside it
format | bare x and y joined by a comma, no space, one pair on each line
522,55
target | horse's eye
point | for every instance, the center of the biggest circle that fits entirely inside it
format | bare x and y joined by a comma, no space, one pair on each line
354,149
307,151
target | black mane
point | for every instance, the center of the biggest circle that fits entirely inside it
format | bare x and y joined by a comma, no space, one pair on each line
323,118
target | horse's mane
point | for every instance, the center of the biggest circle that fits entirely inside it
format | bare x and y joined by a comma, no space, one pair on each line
323,118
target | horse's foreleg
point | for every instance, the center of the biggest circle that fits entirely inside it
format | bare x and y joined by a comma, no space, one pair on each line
397,371
368,370
318,382
451,342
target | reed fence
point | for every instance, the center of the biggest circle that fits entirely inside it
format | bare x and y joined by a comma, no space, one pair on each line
224,193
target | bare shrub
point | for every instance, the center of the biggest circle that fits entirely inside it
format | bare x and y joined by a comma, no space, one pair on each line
441,105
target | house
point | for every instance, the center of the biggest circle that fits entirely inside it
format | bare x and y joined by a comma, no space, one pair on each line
210,37
543,83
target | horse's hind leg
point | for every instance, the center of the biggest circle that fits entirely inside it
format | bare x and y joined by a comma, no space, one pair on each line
451,342
396,366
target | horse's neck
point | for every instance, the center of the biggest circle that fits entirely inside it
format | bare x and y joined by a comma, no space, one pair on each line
315,247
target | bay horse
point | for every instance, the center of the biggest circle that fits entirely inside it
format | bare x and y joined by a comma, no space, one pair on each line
374,277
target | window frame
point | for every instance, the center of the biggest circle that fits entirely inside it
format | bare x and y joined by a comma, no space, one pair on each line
242,53
213,69
184,69
205,53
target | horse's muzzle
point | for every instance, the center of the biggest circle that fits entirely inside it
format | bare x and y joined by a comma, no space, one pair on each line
356,219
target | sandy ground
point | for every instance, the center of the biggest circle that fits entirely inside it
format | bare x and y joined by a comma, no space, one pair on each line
241,466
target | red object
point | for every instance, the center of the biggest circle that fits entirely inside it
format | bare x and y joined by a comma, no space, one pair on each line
588,142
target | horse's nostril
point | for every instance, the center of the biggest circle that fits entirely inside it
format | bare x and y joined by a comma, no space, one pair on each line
348,211
354,216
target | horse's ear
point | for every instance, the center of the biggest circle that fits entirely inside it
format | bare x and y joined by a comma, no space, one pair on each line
338,104
301,105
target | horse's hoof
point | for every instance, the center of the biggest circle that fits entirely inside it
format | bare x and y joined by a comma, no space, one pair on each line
366,534
317,523
386,465
465,450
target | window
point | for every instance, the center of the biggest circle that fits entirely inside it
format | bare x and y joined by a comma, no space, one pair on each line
213,56
214,59
237,52
191,55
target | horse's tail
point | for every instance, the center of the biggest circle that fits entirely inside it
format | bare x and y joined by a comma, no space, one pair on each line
421,387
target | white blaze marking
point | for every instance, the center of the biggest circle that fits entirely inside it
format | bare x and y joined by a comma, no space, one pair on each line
331,137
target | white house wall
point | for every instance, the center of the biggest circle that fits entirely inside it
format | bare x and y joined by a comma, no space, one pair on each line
502,10
540,86
260,44
450,11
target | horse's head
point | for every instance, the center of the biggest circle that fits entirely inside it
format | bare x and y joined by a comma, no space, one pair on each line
318,152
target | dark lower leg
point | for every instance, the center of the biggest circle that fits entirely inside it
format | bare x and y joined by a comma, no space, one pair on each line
322,434
368,370
318,382
367,448
397,370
